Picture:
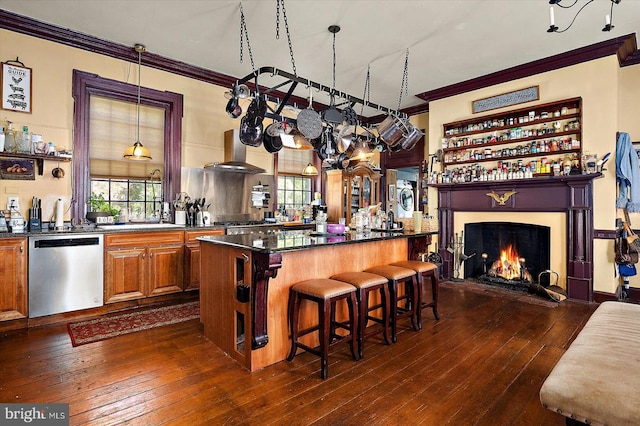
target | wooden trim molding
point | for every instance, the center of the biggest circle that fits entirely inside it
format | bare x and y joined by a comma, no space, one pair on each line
624,47
83,87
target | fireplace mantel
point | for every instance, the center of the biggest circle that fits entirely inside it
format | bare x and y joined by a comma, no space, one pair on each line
572,195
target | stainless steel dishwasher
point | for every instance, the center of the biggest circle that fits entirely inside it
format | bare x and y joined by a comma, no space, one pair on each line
65,273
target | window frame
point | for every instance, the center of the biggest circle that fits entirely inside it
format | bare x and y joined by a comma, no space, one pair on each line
294,176
87,84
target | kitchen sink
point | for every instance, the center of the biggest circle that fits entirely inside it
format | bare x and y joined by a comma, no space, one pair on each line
139,226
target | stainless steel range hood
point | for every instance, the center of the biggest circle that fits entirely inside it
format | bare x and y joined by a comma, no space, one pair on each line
235,156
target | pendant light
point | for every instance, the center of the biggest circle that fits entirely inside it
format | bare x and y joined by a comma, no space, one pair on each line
137,151
310,170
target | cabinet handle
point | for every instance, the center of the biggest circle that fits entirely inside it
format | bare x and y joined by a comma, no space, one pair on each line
143,255
21,249
150,254
246,258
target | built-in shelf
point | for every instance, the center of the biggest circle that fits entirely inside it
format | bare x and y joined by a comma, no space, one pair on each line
39,159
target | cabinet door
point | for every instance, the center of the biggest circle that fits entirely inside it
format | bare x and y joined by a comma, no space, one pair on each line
125,274
165,269
192,266
13,278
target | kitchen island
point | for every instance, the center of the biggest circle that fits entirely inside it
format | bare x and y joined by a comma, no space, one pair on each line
245,281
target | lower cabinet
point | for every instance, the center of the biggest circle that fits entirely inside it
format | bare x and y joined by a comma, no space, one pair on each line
13,278
192,257
140,265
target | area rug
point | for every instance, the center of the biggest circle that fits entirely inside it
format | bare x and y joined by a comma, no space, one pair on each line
94,330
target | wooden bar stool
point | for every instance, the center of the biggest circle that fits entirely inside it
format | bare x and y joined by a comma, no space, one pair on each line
396,275
424,270
325,293
365,283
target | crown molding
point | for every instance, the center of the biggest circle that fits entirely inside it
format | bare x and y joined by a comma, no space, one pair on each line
624,47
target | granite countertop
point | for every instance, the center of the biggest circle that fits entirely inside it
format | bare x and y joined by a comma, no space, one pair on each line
68,229
302,240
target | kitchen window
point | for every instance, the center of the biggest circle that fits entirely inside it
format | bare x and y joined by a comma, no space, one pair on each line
88,86
135,185
294,191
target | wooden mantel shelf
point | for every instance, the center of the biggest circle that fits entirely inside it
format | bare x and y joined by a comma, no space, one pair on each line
39,158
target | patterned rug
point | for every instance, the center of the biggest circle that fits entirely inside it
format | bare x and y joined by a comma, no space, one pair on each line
94,330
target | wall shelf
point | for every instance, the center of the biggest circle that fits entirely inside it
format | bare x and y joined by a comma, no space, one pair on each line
39,159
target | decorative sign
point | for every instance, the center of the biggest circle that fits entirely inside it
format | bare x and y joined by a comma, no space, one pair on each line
17,169
16,88
507,99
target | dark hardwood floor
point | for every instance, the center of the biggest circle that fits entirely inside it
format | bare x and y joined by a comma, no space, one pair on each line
482,363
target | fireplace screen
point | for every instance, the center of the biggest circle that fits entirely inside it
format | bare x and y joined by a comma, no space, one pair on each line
508,253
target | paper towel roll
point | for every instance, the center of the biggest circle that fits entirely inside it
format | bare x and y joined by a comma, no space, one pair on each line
59,214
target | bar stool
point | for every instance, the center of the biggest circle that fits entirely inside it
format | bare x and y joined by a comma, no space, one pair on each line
365,283
396,275
325,293
424,270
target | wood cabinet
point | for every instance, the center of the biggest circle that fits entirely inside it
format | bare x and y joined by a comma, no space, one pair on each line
351,189
540,140
140,265
13,278
192,257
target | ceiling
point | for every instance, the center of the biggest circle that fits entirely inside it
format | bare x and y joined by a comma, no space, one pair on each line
449,41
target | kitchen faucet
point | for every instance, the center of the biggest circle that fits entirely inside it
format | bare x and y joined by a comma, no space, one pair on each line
157,212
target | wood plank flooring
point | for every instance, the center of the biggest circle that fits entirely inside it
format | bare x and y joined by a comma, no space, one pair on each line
482,364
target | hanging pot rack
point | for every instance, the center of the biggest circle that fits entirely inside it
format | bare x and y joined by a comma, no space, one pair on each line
293,81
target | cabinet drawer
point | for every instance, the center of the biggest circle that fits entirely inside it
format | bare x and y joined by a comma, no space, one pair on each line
137,239
190,236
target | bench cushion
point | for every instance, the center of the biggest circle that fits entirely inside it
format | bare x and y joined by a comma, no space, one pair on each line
596,381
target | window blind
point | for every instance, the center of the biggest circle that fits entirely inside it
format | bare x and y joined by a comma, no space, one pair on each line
292,161
113,128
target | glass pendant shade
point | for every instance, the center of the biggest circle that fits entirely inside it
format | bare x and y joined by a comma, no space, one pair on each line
310,170
137,152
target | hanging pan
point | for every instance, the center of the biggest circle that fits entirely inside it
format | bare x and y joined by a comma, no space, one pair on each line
271,138
309,121
331,114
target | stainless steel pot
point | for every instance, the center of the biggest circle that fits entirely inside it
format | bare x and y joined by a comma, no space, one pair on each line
391,130
411,137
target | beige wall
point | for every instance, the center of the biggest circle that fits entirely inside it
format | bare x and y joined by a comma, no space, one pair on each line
52,64
600,83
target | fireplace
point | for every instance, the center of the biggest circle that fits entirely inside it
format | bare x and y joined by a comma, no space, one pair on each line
507,254
571,196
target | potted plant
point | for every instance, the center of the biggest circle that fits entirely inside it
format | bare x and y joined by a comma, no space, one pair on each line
100,208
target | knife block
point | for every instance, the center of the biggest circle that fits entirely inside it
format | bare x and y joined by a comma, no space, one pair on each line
35,223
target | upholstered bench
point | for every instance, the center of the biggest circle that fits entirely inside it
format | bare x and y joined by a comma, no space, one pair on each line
597,379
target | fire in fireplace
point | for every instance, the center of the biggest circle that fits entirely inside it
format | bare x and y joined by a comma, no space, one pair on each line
510,266
512,254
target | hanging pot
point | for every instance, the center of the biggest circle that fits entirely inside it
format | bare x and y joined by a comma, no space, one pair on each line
233,108
391,130
309,121
411,137
256,111
271,138
250,135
